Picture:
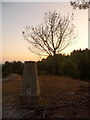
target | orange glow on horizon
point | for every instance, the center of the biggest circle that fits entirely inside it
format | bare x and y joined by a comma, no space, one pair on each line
15,18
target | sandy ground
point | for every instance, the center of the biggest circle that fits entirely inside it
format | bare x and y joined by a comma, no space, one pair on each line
0,100
55,91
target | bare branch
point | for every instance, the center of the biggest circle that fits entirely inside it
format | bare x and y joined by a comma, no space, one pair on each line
52,36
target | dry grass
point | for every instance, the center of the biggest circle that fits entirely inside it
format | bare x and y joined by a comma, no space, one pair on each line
50,86
54,90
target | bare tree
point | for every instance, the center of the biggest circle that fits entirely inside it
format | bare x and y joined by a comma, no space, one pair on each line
81,4
52,36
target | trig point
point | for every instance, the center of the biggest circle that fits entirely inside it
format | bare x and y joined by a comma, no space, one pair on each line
30,88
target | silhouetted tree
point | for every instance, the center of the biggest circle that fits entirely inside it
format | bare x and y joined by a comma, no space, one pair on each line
81,59
69,68
6,69
76,65
12,67
84,4
17,67
52,36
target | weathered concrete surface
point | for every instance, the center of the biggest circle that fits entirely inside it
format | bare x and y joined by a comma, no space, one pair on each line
30,87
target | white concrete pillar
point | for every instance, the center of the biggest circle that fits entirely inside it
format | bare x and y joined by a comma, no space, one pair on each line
30,87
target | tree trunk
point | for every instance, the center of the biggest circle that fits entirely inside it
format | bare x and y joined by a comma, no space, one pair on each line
55,63
54,53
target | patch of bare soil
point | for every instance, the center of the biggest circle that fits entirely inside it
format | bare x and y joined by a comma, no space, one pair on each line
61,97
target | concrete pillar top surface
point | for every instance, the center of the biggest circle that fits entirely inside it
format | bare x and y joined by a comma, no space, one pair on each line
30,61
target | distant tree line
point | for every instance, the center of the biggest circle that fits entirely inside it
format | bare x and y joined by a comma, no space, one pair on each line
12,67
76,65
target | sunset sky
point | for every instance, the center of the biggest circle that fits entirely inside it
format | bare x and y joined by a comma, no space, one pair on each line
17,15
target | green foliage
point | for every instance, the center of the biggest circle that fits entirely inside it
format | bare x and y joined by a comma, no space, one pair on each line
6,69
77,65
69,68
12,67
82,60
17,67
